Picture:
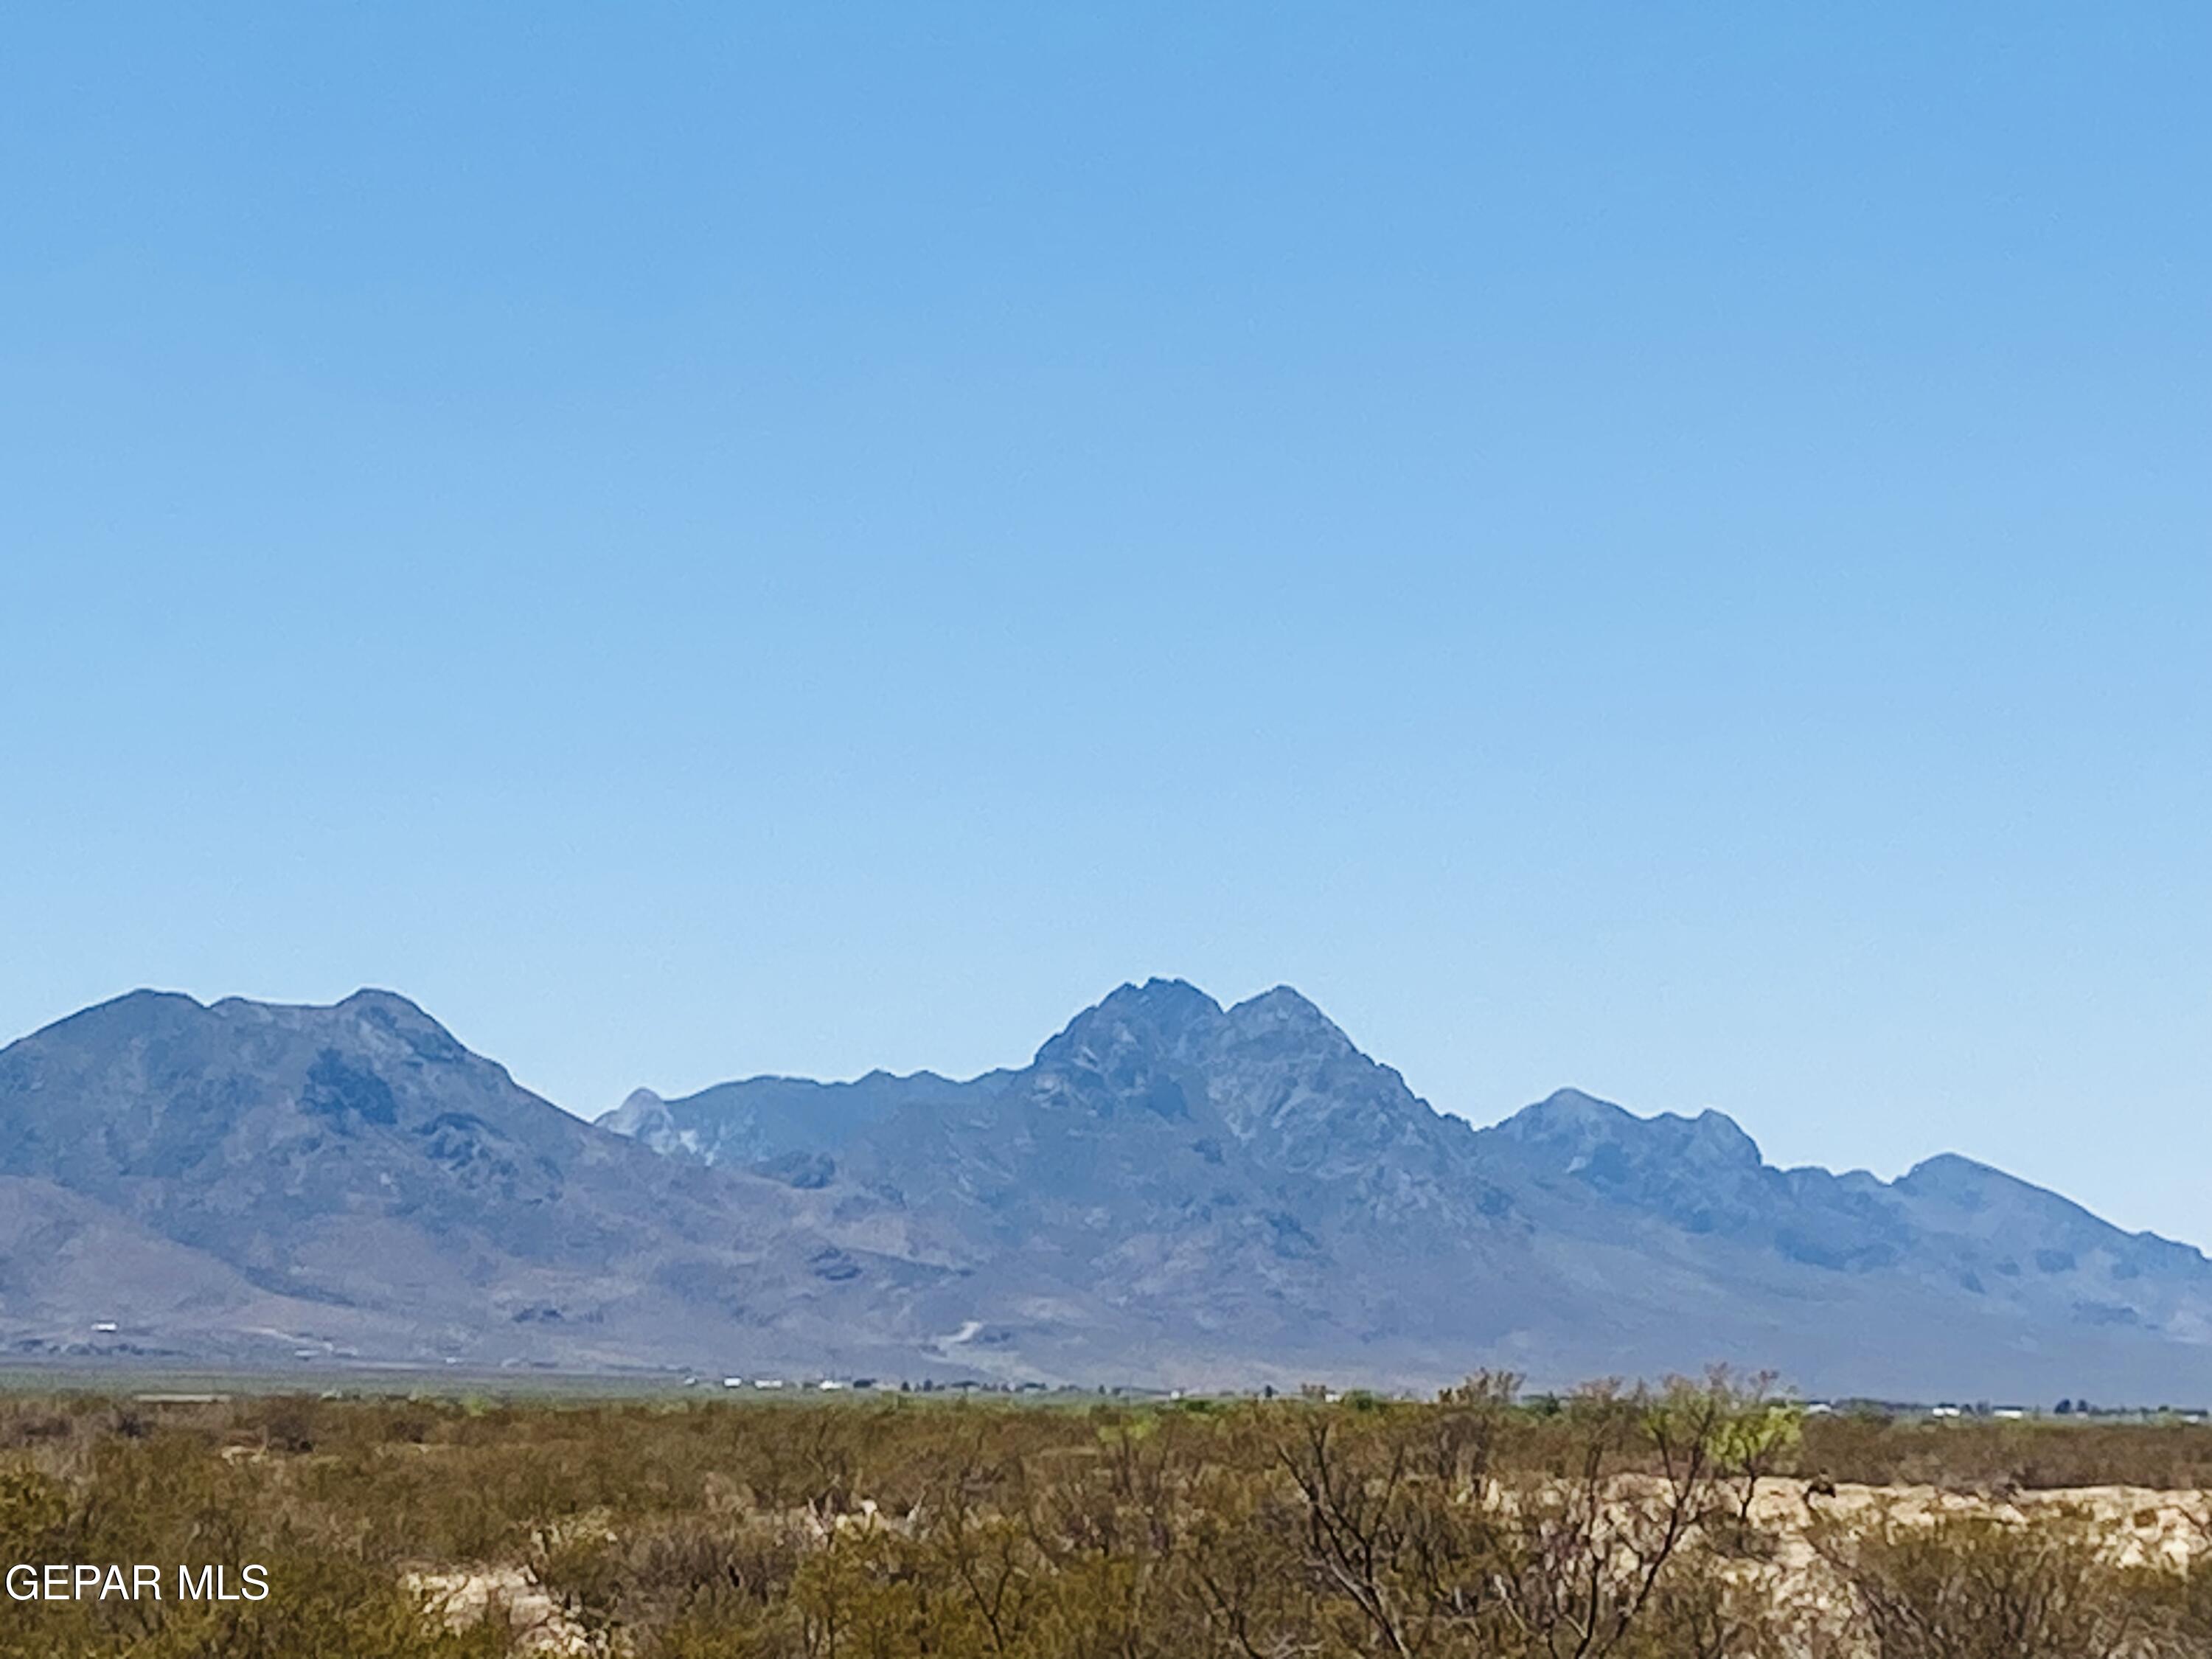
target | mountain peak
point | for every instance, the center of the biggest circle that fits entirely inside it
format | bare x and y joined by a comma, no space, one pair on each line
133,1008
1159,1014
1285,1011
1720,1137
639,1106
373,999
1582,1123
1955,1179
1169,998
1565,1111
1949,1166
388,1014
146,996
1172,1187
1284,999
644,1117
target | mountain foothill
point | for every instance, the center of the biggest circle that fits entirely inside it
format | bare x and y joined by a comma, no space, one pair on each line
1171,1193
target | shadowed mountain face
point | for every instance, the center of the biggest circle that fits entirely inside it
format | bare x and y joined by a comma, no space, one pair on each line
351,1179
1245,1181
1170,1192
786,1128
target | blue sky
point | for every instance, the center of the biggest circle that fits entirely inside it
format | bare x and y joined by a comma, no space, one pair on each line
1665,549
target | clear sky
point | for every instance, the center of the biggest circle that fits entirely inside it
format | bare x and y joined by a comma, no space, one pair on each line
1664,548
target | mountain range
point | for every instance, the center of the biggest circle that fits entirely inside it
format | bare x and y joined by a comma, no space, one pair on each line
1171,1193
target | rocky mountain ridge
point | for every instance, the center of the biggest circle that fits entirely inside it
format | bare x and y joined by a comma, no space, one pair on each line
1172,1192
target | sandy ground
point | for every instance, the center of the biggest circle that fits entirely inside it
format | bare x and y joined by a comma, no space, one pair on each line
2138,1525
471,1594
2141,1523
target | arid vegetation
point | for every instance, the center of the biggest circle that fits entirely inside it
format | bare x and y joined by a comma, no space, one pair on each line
1690,1522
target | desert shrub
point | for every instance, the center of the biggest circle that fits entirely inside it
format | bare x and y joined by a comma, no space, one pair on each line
1609,1521
1880,1450
320,1606
35,1513
673,1578
1976,1585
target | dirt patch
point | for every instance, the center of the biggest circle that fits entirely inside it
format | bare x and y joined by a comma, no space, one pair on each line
470,1595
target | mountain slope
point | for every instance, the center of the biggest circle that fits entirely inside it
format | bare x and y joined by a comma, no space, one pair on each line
401,1197
789,1128
1949,1226
1172,1192
1248,1184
